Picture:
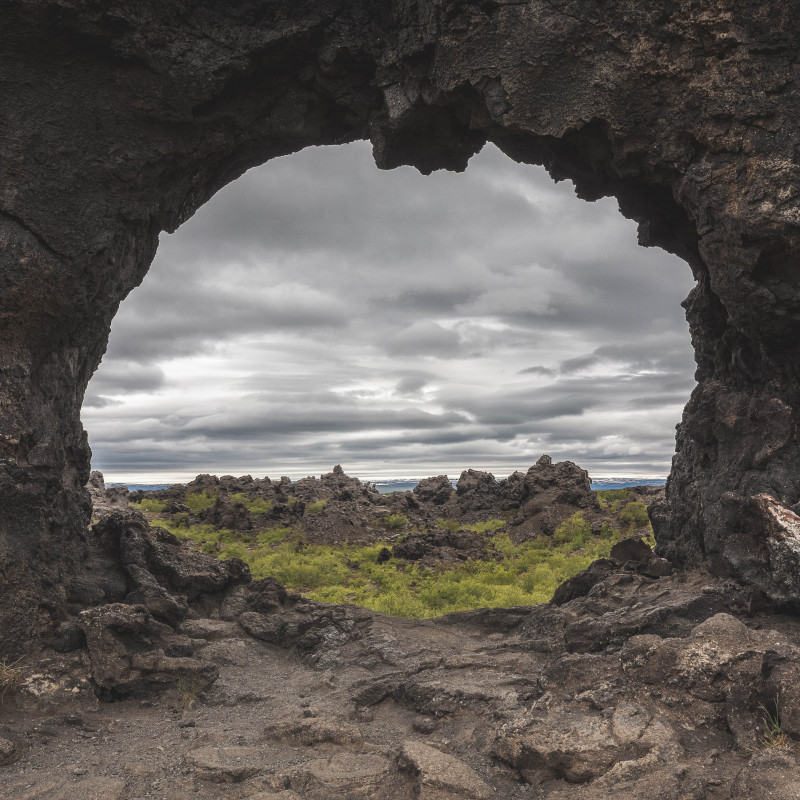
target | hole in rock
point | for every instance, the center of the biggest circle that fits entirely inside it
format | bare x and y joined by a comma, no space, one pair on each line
320,311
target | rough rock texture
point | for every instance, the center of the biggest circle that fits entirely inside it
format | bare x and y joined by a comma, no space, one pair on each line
276,697
336,508
540,499
121,119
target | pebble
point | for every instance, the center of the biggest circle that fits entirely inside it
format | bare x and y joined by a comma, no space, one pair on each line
8,751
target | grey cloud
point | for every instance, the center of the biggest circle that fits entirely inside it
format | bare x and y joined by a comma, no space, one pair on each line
180,319
338,312
412,385
94,400
425,338
263,424
121,376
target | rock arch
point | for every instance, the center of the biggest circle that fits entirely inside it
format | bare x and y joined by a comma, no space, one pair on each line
120,119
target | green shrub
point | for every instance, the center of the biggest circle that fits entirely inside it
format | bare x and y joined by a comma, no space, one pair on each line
610,533
315,508
257,506
233,550
451,524
393,522
199,534
612,499
574,532
199,501
149,504
528,573
273,535
634,516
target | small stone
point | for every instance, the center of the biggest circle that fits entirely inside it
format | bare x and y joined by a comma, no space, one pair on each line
423,724
8,751
439,772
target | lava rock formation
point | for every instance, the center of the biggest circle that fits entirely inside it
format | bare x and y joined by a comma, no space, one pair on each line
122,118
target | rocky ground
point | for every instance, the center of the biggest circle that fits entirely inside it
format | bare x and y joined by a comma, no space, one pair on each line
199,683
337,508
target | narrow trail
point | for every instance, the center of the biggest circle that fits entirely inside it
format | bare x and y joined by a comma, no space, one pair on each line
642,687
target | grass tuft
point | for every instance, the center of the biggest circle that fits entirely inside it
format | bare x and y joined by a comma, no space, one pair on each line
200,501
774,735
10,678
314,508
613,499
634,516
393,522
156,506
190,687
257,506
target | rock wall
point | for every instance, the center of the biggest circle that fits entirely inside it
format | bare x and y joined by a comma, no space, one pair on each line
121,118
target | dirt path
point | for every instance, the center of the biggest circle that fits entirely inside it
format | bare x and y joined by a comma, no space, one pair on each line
642,688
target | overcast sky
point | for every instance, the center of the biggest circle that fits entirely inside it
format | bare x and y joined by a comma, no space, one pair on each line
320,311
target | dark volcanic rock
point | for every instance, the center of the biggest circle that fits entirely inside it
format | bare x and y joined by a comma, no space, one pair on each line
106,500
549,494
476,492
442,547
685,112
436,490
164,574
631,555
333,485
537,501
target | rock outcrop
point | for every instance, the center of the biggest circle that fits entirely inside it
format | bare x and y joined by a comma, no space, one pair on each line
434,524
673,687
124,119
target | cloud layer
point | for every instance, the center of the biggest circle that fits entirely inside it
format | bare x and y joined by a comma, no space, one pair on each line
320,311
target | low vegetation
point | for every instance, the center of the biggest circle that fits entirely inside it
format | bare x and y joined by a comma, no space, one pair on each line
613,499
190,688
156,506
512,574
257,506
774,734
200,501
509,573
10,678
395,522
454,525
312,509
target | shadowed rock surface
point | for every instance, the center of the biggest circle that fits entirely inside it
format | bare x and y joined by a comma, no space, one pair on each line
627,685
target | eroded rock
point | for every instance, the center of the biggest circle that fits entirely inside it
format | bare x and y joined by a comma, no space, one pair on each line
441,776
228,764
579,747
124,654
